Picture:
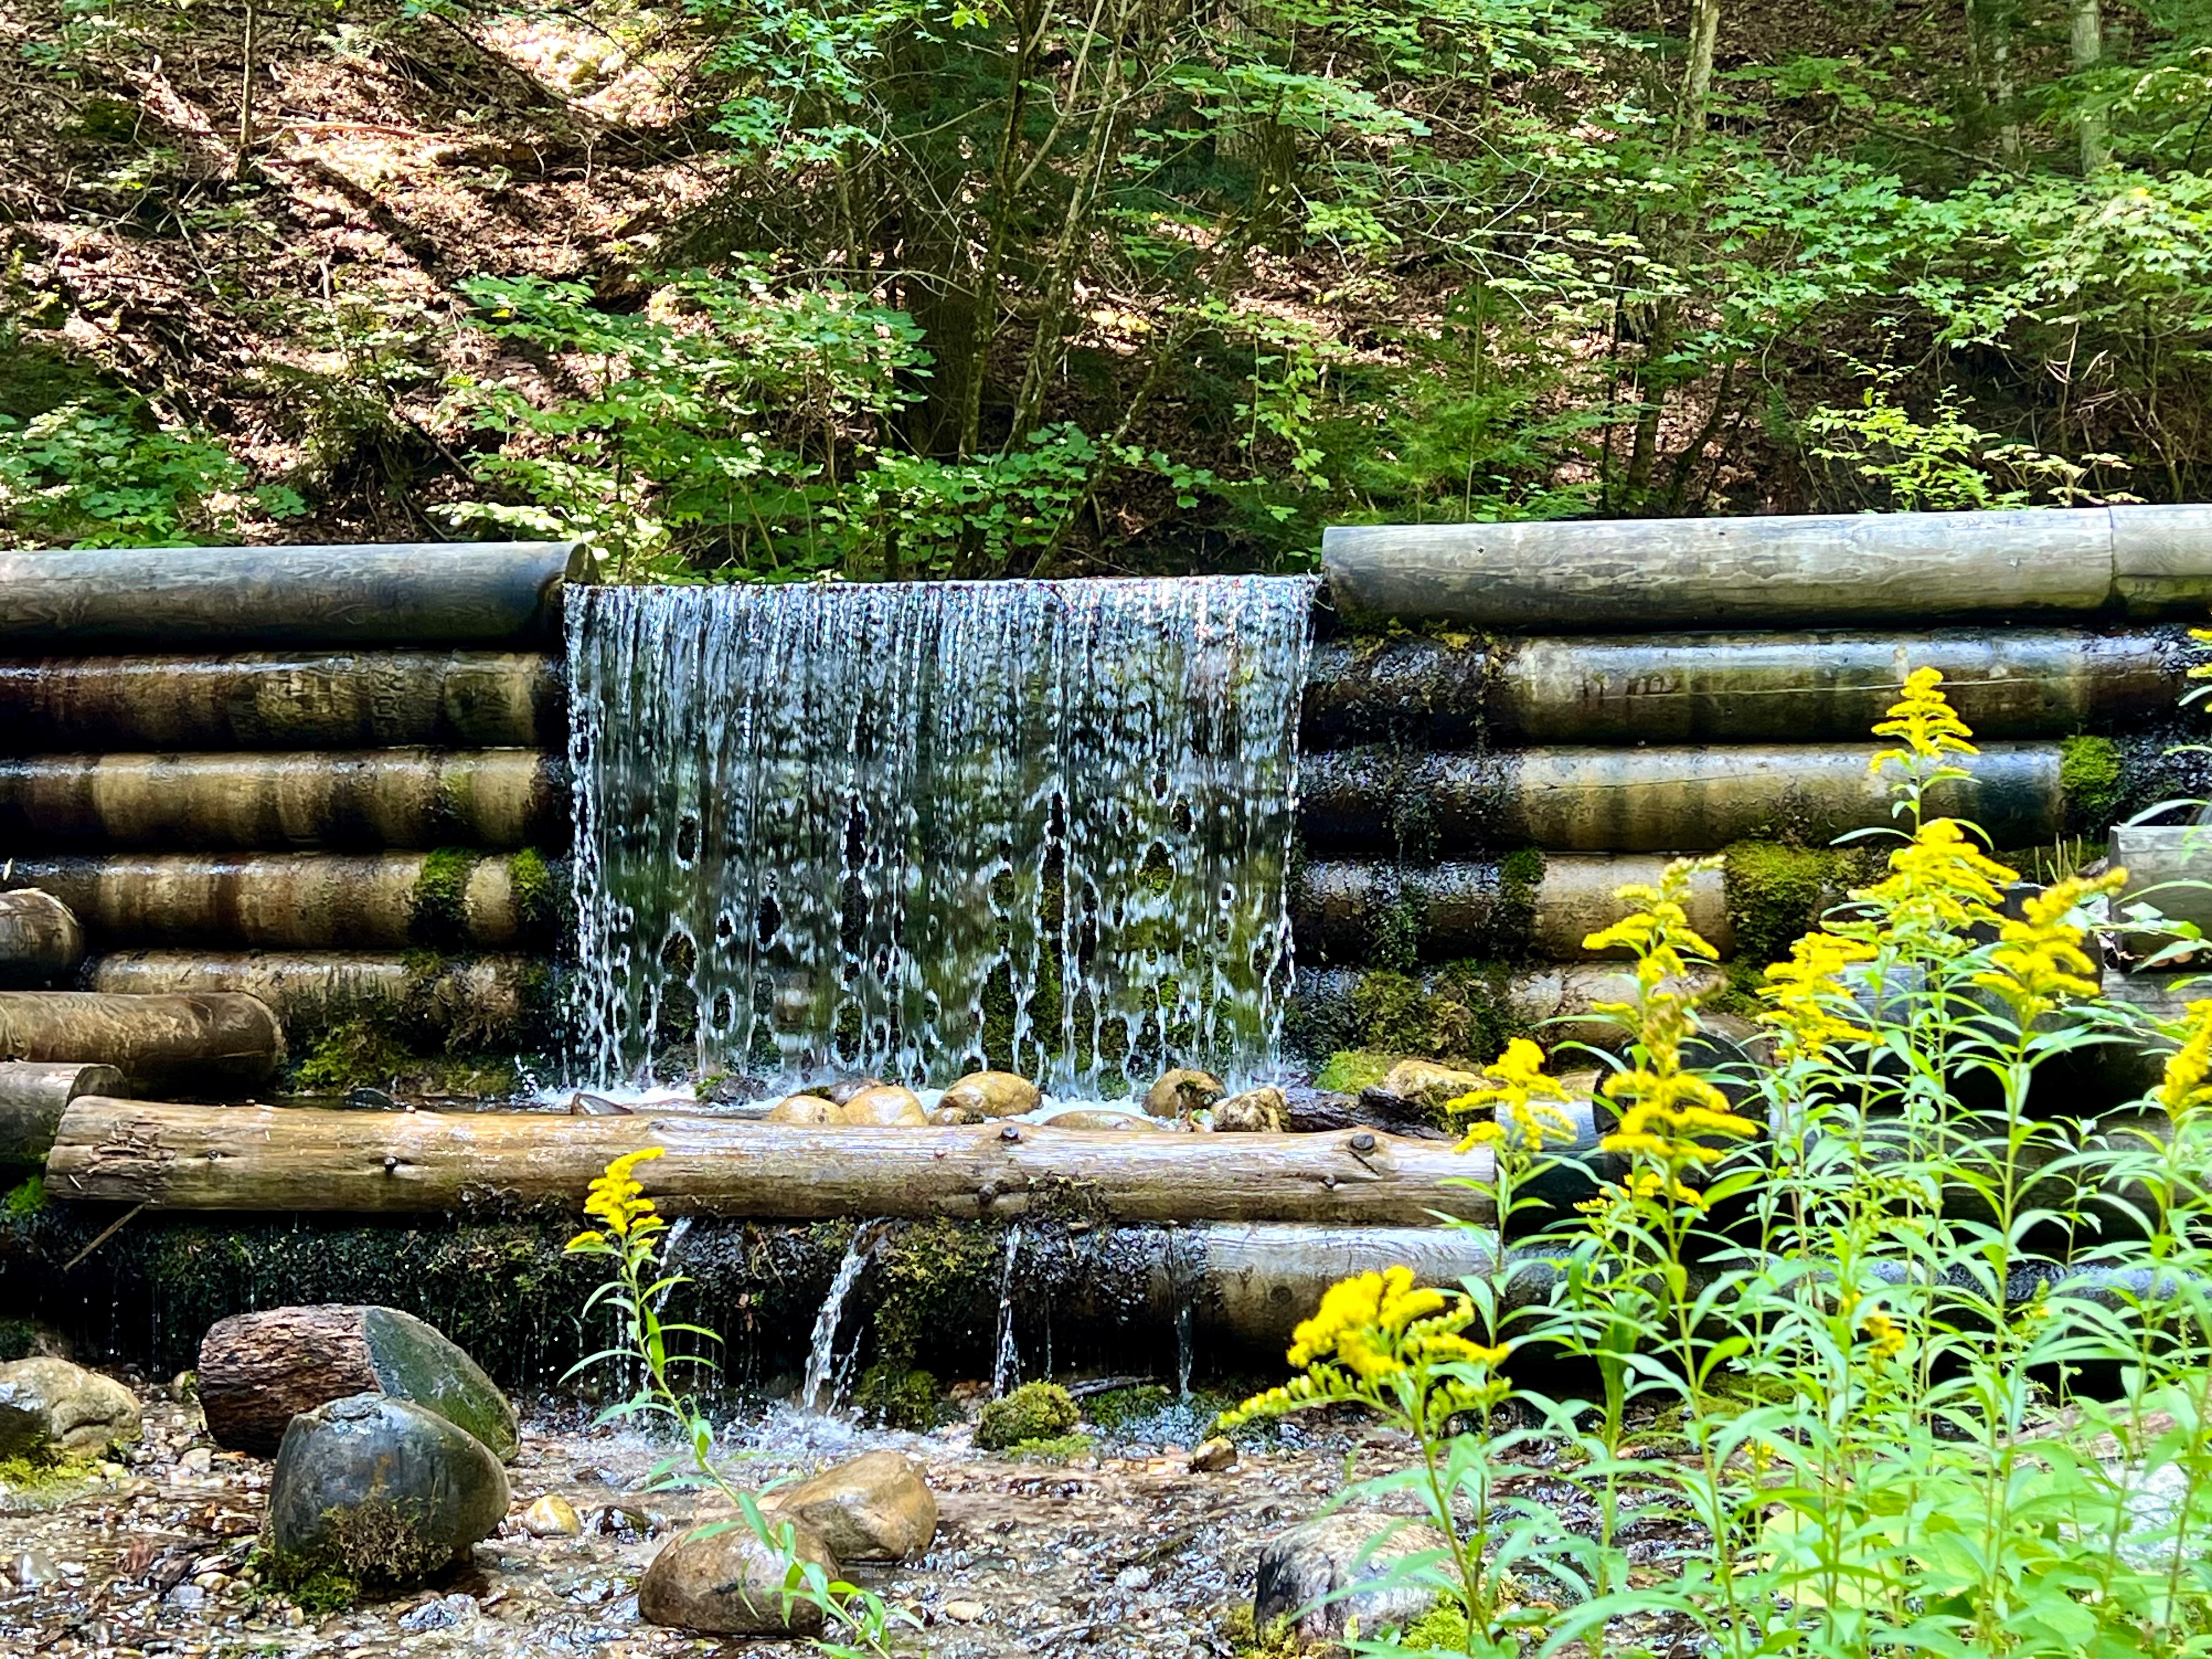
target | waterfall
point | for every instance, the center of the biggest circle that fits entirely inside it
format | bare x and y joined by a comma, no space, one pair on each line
822,1352
1006,1357
909,829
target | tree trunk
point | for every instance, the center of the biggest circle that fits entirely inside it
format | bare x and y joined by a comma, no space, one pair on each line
480,1000
207,1044
40,941
33,1095
2086,36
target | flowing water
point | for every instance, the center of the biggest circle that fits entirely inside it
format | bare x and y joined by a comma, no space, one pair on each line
908,828
822,1353
1006,1357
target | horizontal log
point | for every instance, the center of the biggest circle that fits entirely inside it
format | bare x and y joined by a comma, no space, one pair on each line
40,941
492,1000
404,798
257,1158
205,1044
283,700
303,900
31,1095
1842,568
1455,1012
1347,911
1731,688
458,592
1649,800
2169,868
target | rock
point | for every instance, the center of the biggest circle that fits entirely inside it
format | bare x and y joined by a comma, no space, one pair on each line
584,1105
1085,1117
841,1094
734,1090
964,1613
1183,1092
363,1098
993,1094
887,1106
1034,1411
731,1583
1299,1567
443,1613
1213,1456
1256,1111
196,1460
1424,1083
49,1405
811,1111
552,1516
875,1508
381,1490
954,1117
32,1339
257,1369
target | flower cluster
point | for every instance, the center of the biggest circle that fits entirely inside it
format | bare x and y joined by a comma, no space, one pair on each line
2187,1085
1939,886
1521,1119
1924,719
2038,960
617,1199
1886,1336
1805,994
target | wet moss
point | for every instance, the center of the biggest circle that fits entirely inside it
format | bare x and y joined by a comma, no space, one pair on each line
1775,896
27,1197
2089,774
438,910
1034,1411
1279,1641
1117,1407
539,895
1351,1070
1058,1448
1463,1010
1520,878
932,1278
900,1397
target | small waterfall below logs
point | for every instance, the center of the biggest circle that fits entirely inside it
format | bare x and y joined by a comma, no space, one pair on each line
909,829
822,1353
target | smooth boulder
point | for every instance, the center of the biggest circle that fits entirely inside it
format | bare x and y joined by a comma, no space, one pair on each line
1256,1111
1092,1117
993,1094
1300,1567
807,1111
381,1490
1424,1083
49,1406
877,1507
1183,1092
886,1106
729,1583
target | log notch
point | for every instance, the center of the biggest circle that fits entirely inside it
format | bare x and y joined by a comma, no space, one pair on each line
258,1370
40,941
174,1157
1732,687
283,700
205,1044
1649,800
401,798
33,1095
481,592
470,1000
451,900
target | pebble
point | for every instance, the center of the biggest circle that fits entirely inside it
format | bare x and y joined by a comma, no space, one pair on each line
964,1613
552,1516
1213,1456
197,1462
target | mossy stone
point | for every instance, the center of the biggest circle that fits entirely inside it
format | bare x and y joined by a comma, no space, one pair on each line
1034,1411
415,1361
2090,777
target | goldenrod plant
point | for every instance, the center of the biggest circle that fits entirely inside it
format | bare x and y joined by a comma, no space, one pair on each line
1882,1345
631,1237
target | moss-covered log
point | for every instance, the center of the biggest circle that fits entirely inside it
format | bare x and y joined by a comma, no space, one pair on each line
1356,912
1467,1011
451,900
283,700
41,939
443,594
175,1156
201,1044
1648,800
404,798
1841,568
489,1000
31,1095
1732,687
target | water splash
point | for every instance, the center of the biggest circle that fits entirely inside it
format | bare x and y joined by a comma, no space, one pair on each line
905,829
822,1353
1007,1360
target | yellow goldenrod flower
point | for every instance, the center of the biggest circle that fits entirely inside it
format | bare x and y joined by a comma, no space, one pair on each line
616,1197
2185,1087
1806,991
1939,886
1885,1334
1924,718
2038,960
1520,1119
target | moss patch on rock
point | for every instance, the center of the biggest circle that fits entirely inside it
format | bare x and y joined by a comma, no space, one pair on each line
900,1397
1034,1412
1350,1070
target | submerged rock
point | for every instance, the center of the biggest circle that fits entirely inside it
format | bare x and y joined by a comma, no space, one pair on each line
379,1489
886,1106
1183,1092
49,1406
729,1583
1213,1456
875,1508
1256,1111
956,1117
993,1094
810,1111
1299,1567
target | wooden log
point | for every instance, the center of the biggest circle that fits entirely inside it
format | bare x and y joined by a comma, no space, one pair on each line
1649,800
31,1095
491,999
203,1043
283,700
1732,687
2160,563
1332,1008
302,901
1693,573
174,1157
2169,868
404,798
40,941
463,593
1343,912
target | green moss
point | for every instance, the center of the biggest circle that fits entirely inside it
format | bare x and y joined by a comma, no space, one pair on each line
538,900
1520,878
1118,1407
1277,1641
1059,1448
351,1052
1351,1070
27,1197
31,1471
1774,896
900,1397
928,1275
2089,774
1463,1010
1442,1628
19,1340
438,911
318,1588
1034,1411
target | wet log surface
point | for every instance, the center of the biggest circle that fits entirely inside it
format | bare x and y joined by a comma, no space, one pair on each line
483,999
257,1158
204,1044
41,939
32,1094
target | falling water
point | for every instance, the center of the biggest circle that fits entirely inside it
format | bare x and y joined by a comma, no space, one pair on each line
908,828
824,1352
1006,1364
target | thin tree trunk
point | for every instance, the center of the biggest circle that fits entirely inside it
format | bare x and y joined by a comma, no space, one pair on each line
246,93
2086,35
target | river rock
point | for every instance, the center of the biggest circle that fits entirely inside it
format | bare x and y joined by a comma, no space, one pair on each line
381,1490
993,1094
49,1406
1213,1455
1183,1092
841,1094
257,1369
886,1106
1256,1111
875,1508
552,1516
730,1584
810,1111
1432,1087
956,1117
1297,1568
1085,1117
